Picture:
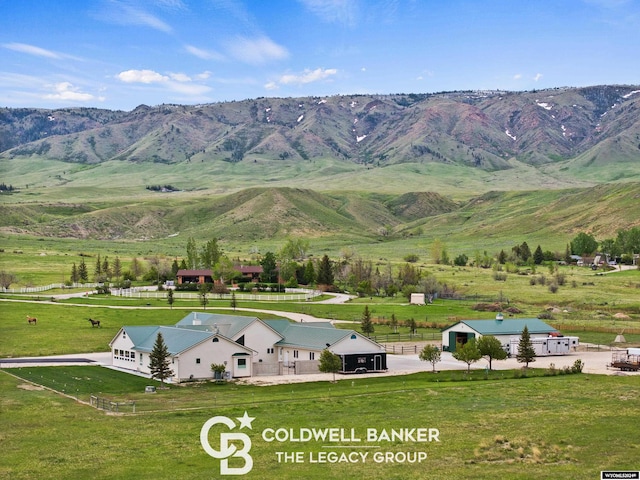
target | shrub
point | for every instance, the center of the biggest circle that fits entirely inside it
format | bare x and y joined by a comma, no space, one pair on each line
577,366
500,276
553,287
411,258
545,316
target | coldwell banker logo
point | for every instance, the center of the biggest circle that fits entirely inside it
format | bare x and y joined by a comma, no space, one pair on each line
330,444
229,442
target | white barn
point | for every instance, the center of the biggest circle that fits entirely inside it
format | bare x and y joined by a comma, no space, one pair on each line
248,346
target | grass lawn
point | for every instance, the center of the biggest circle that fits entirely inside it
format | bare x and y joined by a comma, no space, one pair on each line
498,428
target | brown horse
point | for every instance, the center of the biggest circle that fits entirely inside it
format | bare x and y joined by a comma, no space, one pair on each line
94,323
31,320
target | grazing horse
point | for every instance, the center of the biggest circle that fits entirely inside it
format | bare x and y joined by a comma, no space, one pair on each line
94,323
31,320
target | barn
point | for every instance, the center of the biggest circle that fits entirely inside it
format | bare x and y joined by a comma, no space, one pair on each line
505,330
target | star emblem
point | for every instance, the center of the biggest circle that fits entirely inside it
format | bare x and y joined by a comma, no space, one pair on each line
245,421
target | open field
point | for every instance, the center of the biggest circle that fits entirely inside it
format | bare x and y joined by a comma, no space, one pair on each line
487,429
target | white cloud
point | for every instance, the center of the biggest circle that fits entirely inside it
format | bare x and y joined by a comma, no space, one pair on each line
66,91
203,54
203,75
31,50
256,51
517,76
308,76
271,86
125,13
141,76
537,77
180,77
334,11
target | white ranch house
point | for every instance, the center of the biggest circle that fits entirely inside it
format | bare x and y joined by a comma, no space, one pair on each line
247,346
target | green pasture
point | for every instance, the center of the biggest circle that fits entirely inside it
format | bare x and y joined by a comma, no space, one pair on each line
496,428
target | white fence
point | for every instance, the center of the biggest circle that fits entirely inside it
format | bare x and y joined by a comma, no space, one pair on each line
51,286
301,296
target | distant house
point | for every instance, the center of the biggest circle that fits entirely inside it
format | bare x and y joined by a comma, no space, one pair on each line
194,276
248,272
504,330
248,346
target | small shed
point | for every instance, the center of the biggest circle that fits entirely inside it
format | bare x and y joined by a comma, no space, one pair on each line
504,330
417,299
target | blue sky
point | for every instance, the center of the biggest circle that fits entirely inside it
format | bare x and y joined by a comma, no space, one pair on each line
118,54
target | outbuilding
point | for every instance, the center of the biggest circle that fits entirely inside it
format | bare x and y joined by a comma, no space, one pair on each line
504,330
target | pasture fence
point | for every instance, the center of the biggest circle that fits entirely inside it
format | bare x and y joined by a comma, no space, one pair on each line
51,286
285,297
105,404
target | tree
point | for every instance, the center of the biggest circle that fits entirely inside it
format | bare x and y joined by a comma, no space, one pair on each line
192,254
83,273
325,272
394,323
98,270
436,250
117,269
269,268
467,353
365,324
329,363
413,326
203,291
6,279
74,273
218,370
136,268
526,353
584,244
159,360
538,256
210,254
234,302
309,276
491,347
431,354
170,298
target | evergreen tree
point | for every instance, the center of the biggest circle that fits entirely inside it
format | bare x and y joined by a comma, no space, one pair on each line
567,254
366,324
203,291
309,276
491,347
467,353
106,269
502,257
98,270
183,265
431,354
325,272
329,363
136,268
117,269
174,268
170,298
526,353
538,256
525,252
74,273
159,360
83,274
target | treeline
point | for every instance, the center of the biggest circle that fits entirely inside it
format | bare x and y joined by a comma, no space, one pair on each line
161,188
6,188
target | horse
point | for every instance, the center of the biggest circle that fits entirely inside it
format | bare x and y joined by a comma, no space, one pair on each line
94,323
31,320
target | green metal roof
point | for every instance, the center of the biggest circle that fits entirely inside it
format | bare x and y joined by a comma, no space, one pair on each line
227,325
511,326
176,339
306,335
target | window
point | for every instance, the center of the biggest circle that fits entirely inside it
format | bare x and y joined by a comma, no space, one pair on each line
133,355
270,350
215,339
140,359
122,353
242,363
126,354
362,359
353,336
197,360
295,354
312,355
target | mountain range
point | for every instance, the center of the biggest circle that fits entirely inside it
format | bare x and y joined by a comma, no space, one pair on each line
591,126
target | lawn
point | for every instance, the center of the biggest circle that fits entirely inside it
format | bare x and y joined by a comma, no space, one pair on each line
497,428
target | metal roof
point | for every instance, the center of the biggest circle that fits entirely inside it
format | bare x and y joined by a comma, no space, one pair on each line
305,335
227,325
511,326
176,339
